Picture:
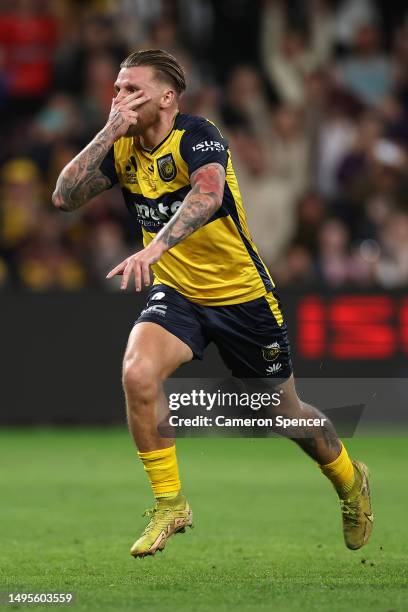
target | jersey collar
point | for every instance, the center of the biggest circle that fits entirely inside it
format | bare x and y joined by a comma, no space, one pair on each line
152,151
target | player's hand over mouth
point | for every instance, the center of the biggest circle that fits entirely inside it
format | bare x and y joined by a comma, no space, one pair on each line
123,112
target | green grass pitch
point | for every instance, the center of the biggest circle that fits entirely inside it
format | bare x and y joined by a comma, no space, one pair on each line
267,526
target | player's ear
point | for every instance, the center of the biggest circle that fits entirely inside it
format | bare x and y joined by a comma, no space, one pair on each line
167,98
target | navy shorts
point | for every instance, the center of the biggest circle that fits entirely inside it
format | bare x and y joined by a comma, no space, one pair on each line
251,337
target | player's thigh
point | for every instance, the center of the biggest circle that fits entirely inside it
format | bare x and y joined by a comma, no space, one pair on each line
153,351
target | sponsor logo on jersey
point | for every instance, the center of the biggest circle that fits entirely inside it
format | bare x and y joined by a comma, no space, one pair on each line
158,296
273,369
167,167
271,351
208,145
160,212
131,171
159,309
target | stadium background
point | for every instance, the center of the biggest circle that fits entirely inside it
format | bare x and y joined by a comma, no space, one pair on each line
313,97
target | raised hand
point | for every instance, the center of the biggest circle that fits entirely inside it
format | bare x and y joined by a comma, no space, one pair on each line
123,113
138,266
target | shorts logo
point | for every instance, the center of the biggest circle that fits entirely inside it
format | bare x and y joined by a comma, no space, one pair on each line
158,296
167,167
209,145
159,309
273,369
271,351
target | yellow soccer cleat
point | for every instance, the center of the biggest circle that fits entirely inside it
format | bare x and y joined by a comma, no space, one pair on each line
356,510
169,516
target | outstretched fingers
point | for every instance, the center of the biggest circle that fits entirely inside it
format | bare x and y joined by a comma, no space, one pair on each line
118,270
132,100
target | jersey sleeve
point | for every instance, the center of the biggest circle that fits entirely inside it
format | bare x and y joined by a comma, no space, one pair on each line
203,144
108,168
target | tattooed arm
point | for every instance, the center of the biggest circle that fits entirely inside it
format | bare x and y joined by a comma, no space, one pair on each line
82,178
199,205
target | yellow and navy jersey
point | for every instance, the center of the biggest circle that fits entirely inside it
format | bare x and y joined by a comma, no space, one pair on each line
216,265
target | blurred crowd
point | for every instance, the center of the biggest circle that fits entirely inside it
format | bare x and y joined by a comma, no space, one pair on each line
311,94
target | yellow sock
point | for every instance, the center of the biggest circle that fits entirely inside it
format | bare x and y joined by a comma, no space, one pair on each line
341,473
162,470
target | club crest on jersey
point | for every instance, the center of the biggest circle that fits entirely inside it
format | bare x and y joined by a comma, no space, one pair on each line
271,351
167,167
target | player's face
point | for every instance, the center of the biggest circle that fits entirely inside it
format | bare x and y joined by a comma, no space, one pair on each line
141,78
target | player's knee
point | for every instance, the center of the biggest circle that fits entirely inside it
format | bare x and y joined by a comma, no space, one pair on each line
140,379
290,405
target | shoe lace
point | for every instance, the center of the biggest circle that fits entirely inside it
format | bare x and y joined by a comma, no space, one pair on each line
159,517
349,508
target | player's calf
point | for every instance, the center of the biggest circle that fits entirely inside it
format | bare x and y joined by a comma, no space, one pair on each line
350,478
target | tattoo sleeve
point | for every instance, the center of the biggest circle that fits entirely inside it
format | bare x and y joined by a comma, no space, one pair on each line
82,179
199,205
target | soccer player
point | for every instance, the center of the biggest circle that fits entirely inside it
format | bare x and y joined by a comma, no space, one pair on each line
210,284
